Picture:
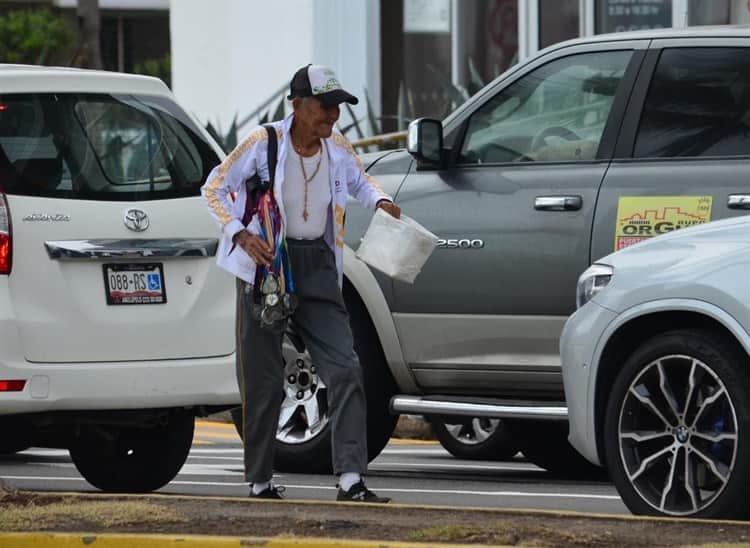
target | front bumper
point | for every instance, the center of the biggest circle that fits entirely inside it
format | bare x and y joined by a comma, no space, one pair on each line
579,342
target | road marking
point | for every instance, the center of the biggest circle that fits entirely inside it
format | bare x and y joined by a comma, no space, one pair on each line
438,465
211,454
383,489
217,450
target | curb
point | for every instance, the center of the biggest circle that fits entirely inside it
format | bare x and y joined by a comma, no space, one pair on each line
395,506
106,540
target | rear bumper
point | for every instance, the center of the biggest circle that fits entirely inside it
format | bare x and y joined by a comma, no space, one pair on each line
107,385
121,385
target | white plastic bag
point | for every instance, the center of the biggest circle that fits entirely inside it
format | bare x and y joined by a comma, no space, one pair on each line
396,247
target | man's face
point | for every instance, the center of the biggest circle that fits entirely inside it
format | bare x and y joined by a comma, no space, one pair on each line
315,117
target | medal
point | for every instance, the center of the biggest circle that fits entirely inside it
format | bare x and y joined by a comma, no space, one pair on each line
269,285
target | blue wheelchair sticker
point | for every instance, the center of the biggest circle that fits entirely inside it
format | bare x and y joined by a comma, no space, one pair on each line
154,283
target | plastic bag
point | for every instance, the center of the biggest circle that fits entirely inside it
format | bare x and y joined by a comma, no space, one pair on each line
397,247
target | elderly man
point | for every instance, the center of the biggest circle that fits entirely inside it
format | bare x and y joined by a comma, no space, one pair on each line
288,260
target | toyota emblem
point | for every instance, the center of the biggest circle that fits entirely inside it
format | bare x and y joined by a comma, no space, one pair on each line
136,220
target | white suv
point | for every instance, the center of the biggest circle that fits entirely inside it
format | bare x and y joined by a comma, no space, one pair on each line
656,364
116,328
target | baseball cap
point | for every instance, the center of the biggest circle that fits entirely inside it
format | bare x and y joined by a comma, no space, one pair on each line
319,82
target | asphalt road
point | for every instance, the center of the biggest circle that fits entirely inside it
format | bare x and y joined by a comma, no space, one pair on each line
409,472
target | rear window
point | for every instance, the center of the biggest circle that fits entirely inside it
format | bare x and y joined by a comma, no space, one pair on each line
100,147
698,105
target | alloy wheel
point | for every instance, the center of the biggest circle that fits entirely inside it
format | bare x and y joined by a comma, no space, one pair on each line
677,435
473,432
304,410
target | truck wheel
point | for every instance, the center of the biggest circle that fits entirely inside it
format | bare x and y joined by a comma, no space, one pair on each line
9,447
303,437
476,438
678,427
128,459
545,443
17,435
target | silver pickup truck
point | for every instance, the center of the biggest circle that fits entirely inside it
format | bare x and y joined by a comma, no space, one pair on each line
591,146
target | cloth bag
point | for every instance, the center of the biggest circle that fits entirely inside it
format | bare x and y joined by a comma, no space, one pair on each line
397,247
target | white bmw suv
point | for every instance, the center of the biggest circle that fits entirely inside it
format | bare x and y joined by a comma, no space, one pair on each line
656,365
116,328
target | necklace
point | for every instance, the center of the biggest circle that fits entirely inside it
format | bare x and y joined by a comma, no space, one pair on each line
305,213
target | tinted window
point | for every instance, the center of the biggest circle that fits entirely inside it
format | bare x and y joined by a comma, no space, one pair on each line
100,147
555,113
697,105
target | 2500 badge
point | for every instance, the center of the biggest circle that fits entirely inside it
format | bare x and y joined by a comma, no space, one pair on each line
464,243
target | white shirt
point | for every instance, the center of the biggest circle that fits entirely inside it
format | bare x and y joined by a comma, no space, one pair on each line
318,195
225,193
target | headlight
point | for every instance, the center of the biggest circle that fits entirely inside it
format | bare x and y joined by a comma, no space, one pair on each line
592,281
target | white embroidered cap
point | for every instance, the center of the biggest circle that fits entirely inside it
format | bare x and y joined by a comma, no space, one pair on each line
319,82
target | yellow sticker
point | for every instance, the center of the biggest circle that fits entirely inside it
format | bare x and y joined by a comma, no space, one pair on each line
642,217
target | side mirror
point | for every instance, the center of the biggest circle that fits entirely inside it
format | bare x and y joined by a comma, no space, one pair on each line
425,141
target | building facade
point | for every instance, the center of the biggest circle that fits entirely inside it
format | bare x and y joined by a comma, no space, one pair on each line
406,58
134,34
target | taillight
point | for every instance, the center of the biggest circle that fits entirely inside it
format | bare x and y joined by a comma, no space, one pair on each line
6,243
12,386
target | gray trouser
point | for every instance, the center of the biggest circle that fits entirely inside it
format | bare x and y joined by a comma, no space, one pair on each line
322,321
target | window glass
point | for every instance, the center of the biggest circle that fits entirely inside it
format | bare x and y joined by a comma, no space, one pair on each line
558,21
625,15
697,105
555,113
100,147
715,12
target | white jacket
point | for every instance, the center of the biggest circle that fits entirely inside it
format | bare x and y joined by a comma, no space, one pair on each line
346,175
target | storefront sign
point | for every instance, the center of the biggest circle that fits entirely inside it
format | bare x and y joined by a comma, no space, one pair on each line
624,15
427,16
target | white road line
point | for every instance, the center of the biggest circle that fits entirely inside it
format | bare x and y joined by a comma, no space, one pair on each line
437,466
383,489
386,451
239,450
237,459
416,451
374,465
45,452
210,470
217,451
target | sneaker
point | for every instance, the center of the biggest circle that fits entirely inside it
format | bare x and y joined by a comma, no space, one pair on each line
273,493
359,493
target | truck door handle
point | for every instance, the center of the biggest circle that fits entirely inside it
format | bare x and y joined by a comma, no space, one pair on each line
738,201
558,203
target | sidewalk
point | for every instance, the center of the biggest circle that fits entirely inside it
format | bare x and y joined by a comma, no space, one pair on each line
163,521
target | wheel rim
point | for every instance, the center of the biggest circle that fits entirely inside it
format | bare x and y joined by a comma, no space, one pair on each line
473,432
304,410
677,435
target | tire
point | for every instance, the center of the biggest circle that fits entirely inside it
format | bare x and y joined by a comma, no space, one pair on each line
10,447
305,447
545,443
20,439
677,430
131,459
475,438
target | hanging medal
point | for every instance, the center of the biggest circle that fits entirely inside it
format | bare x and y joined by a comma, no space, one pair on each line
277,287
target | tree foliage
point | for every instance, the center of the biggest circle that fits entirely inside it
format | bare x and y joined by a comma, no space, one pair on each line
161,68
34,37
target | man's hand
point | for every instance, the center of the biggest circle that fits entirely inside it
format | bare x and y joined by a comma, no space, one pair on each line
390,208
255,246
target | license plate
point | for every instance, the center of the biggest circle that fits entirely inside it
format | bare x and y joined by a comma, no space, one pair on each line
134,283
